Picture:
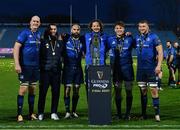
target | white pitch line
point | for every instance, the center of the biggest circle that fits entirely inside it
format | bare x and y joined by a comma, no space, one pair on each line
94,126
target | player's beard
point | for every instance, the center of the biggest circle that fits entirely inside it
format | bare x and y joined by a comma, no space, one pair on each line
168,46
53,37
75,35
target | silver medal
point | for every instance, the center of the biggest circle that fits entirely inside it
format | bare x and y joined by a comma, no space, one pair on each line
53,53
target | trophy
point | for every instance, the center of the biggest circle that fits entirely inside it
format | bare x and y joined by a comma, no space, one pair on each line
119,46
95,53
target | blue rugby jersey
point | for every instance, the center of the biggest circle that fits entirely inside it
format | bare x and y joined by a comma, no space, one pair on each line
146,50
171,51
124,48
101,46
29,51
73,50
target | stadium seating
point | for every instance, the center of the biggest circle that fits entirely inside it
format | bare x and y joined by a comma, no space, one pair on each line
8,34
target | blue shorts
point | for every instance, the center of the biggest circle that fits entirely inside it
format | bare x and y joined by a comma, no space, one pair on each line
29,74
146,75
73,75
123,73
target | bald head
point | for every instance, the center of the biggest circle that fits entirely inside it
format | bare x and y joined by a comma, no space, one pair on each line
176,44
35,17
75,30
35,23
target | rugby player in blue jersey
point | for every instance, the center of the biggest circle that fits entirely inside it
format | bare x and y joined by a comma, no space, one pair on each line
96,44
171,63
121,46
148,67
26,57
72,71
96,47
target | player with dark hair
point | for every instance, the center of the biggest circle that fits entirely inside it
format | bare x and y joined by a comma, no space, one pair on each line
96,43
72,71
96,47
121,46
26,57
92,25
149,50
171,63
50,70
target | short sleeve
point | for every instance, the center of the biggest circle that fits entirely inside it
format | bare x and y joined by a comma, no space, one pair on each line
157,41
22,37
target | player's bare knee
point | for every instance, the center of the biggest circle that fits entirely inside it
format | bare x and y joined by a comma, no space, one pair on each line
31,92
154,92
67,90
32,89
22,90
144,90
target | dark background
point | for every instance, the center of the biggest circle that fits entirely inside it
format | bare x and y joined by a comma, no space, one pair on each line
165,13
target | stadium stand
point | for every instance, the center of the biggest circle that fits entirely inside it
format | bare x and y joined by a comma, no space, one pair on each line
8,34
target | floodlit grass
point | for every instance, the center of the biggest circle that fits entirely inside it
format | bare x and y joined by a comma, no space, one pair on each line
169,106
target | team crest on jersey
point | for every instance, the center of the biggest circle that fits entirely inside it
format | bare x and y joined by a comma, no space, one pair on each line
89,39
30,36
148,39
58,45
125,41
68,42
113,42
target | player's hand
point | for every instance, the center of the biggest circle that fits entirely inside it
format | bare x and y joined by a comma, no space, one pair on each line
157,69
18,69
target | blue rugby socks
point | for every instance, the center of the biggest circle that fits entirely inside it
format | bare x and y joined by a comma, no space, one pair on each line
20,100
31,99
74,102
67,103
156,105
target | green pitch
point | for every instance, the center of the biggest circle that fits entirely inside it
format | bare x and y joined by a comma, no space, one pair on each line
169,107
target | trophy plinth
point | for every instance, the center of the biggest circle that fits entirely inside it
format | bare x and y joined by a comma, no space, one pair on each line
96,57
